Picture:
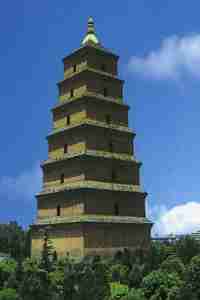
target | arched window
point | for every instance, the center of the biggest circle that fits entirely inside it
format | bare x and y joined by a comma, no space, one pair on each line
71,93
111,147
58,211
68,119
105,92
103,67
116,209
65,148
62,178
108,119
113,175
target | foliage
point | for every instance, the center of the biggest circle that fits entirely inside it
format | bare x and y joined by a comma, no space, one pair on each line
57,282
165,271
173,264
86,280
35,283
135,294
186,248
119,272
158,284
136,275
157,253
14,240
8,294
193,276
48,255
118,290
7,268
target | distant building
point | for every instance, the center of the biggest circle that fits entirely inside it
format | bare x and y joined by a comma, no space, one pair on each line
4,256
175,237
91,202
196,235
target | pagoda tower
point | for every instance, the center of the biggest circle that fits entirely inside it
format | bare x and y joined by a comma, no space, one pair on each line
91,201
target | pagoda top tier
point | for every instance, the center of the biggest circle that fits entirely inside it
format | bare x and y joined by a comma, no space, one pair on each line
91,42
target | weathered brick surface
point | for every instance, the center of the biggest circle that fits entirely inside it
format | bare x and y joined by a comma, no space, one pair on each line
91,168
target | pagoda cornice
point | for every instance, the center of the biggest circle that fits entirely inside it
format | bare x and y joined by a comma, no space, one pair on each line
93,219
92,153
87,69
91,184
89,122
84,48
90,96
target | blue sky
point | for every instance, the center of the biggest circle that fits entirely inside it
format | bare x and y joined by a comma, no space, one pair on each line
159,47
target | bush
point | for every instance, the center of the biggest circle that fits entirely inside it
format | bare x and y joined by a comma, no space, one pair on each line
119,272
8,294
118,290
186,248
7,268
193,276
135,294
136,275
173,264
158,284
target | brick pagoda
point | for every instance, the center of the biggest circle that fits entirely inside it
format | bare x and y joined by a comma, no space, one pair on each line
91,201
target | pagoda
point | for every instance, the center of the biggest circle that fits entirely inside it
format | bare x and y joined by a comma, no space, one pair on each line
91,201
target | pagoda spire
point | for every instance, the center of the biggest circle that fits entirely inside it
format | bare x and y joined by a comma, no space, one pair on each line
90,37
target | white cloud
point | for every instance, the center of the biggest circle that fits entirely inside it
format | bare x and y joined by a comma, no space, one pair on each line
177,56
23,186
180,219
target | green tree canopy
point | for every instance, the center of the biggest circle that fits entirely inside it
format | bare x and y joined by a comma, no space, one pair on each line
158,284
173,264
135,294
193,276
186,248
8,294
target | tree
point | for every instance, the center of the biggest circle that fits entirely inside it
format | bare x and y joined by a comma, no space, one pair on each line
14,240
118,291
136,275
186,248
7,268
47,254
181,293
158,284
193,276
157,253
134,294
36,283
8,294
70,289
119,272
173,264
57,282
86,279
101,282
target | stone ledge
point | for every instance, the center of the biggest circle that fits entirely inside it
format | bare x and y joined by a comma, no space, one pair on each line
91,184
87,68
93,153
92,123
93,219
65,100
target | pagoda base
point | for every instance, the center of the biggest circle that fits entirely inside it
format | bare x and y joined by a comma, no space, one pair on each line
94,235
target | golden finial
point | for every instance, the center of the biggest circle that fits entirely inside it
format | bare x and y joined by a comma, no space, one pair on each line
90,37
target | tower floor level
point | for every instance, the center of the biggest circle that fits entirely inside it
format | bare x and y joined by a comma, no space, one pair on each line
91,200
